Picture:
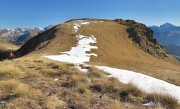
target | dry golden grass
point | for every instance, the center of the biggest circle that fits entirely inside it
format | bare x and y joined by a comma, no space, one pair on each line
76,79
115,105
115,49
159,107
105,86
68,70
5,45
82,87
95,73
37,88
32,100
49,72
13,87
165,101
52,102
119,105
73,89
9,71
63,41
38,61
132,90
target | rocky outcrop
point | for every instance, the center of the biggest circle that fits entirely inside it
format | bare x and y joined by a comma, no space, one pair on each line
143,35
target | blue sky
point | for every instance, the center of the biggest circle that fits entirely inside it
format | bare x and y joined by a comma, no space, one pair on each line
41,13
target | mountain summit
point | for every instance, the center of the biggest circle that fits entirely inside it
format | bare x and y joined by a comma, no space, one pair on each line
115,38
166,25
94,55
167,34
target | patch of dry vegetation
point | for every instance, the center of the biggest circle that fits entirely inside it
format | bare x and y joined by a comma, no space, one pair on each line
43,83
5,45
13,87
116,49
165,101
54,102
9,71
38,83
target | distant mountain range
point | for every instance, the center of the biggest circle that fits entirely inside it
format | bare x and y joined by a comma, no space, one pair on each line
168,36
19,36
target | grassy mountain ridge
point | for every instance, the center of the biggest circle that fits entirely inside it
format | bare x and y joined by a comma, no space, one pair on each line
57,39
137,32
34,81
7,45
119,47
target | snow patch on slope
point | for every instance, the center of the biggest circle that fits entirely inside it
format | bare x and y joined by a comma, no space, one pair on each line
78,55
143,82
78,24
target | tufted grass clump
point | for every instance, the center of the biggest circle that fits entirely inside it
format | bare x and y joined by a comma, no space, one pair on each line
12,88
9,71
49,72
105,86
165,101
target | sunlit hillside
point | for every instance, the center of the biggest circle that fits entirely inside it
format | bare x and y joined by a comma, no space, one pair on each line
116,48
5,48
34,81
5,45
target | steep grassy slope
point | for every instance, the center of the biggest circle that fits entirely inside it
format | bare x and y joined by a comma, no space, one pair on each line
40,83
6,45
57,39
33,81
116,49
5,48
119,47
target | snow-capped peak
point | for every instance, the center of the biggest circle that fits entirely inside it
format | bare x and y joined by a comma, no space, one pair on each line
9,29
21,29
38,28
13,35
48,27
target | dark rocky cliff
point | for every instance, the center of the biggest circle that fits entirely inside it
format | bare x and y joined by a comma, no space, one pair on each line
143,35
